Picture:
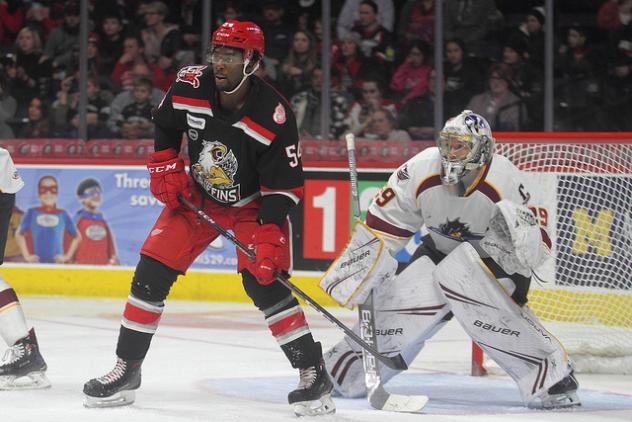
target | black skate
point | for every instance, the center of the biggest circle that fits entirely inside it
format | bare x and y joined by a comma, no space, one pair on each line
23,366
116,388
312,397
563,394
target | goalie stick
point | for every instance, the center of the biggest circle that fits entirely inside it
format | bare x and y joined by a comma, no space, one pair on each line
394,362
377,396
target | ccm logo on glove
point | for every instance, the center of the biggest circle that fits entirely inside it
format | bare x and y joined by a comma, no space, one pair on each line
167,177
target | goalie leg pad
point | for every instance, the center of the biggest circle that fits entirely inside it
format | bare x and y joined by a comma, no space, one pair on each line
511,335
409,310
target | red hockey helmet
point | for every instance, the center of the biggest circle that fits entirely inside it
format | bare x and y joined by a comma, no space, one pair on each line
244,35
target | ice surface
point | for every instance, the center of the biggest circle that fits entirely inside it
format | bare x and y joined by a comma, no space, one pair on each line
217,362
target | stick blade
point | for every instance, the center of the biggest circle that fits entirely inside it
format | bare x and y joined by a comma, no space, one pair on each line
382,400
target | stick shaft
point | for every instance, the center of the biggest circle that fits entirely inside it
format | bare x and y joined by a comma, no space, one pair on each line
395,362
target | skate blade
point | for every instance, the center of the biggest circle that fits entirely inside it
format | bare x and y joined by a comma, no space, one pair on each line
122,398
558,402
32,381
322,406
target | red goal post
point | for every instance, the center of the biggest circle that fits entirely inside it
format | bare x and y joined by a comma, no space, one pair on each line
581,187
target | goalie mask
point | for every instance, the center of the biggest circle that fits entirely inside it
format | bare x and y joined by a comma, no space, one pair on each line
466,144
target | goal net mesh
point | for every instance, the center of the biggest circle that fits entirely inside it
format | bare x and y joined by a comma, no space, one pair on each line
582,193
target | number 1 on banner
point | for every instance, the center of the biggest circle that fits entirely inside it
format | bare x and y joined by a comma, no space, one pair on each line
325,218
327,202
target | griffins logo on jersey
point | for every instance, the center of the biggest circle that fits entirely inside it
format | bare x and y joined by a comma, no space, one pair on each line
215,171
190,75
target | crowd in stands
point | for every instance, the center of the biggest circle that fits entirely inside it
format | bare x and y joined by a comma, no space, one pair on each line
382,70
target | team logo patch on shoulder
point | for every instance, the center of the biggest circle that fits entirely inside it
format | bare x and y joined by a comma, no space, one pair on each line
279,115
190,75
402,173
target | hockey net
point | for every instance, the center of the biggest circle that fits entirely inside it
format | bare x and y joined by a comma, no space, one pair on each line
581,189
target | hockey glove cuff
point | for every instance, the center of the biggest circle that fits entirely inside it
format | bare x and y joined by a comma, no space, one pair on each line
167,177
271,251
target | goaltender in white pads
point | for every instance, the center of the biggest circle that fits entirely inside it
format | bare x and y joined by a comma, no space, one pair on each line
475,264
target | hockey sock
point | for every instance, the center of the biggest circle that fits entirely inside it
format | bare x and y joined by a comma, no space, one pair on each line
288,325
138,325
12,322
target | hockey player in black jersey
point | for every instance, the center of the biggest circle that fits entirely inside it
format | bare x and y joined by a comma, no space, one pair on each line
245,172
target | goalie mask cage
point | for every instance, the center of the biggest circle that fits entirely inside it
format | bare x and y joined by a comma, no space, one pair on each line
581,191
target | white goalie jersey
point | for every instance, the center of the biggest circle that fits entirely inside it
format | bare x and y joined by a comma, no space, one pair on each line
414,196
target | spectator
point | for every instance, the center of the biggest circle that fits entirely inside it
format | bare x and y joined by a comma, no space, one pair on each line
350,66
620,77
8,107
297,66
136,117
416,22
62,45
498,105
417,115
127,65
157,32
112,35
11,20
372,99
382,125
349,14
462,78
307,108
65,114
411,77
468,20
37,18
375,40
27,76
231,11
533,29
525,80
278,36
37,124
579,88
126,97
613,14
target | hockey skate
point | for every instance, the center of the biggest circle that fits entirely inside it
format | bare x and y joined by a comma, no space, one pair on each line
312,397
562,395
22,366
116,388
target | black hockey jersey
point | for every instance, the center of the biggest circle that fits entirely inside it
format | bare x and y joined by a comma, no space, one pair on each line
235,157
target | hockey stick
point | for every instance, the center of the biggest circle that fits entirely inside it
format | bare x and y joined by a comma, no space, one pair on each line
395,362
377,396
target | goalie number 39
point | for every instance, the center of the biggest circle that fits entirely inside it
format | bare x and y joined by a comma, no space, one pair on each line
384,196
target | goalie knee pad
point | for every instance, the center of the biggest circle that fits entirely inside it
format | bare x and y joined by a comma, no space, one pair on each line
509,334
408,311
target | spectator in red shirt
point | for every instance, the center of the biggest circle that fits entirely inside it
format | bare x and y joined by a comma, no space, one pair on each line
411,77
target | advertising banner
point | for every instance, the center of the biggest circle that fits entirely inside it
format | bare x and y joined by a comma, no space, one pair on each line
111,208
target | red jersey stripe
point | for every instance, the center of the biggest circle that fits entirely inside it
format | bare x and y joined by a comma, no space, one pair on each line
258,128
195,102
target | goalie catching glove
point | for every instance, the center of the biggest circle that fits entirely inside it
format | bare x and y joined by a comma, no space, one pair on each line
513,238
364,264
167,177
